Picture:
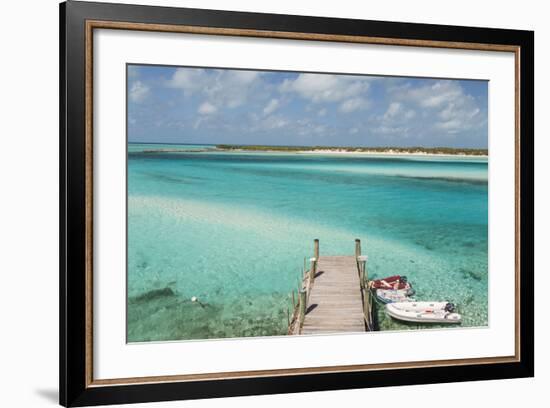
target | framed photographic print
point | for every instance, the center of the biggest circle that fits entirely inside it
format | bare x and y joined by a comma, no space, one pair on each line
256,203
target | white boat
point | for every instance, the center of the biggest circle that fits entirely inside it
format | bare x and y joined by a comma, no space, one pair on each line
424,312
394,296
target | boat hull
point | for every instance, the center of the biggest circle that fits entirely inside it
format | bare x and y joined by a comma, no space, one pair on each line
393,296
422,312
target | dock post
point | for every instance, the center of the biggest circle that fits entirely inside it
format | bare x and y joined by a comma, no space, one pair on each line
316,248
365,272
312,267
357,247
302,308
362,265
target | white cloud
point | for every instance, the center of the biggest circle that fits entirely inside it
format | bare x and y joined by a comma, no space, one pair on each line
188,79
279,123
322,112
392,130
230,88
271,106
460,115
319,129
326,88
440,94
133,71
433,96
410,114
444,105
243,77
396,111
452,124
138,91
352,105
206,108
267,123
198,122
393,109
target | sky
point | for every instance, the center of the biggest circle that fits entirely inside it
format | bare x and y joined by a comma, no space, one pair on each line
228,106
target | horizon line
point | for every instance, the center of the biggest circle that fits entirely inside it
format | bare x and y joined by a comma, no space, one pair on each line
289,145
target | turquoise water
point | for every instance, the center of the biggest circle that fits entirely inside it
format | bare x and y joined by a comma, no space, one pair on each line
232,229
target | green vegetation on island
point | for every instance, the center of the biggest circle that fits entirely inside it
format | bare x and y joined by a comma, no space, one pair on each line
387,149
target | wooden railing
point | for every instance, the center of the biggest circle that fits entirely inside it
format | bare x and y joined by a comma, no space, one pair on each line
296,322
365,290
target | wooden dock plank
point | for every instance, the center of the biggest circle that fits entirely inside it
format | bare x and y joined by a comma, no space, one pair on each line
335,302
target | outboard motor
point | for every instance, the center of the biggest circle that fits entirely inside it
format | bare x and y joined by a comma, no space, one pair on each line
403,279
450,307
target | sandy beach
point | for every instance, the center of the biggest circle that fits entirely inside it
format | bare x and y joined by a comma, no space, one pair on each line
389,153
340,152
356,153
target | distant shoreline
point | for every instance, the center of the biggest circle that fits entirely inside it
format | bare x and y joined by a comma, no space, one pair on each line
371,151
420,151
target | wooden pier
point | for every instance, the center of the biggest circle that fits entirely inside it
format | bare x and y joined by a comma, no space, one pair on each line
333,297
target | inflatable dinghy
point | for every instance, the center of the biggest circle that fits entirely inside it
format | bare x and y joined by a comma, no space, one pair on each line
395,282
393,296
424,312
